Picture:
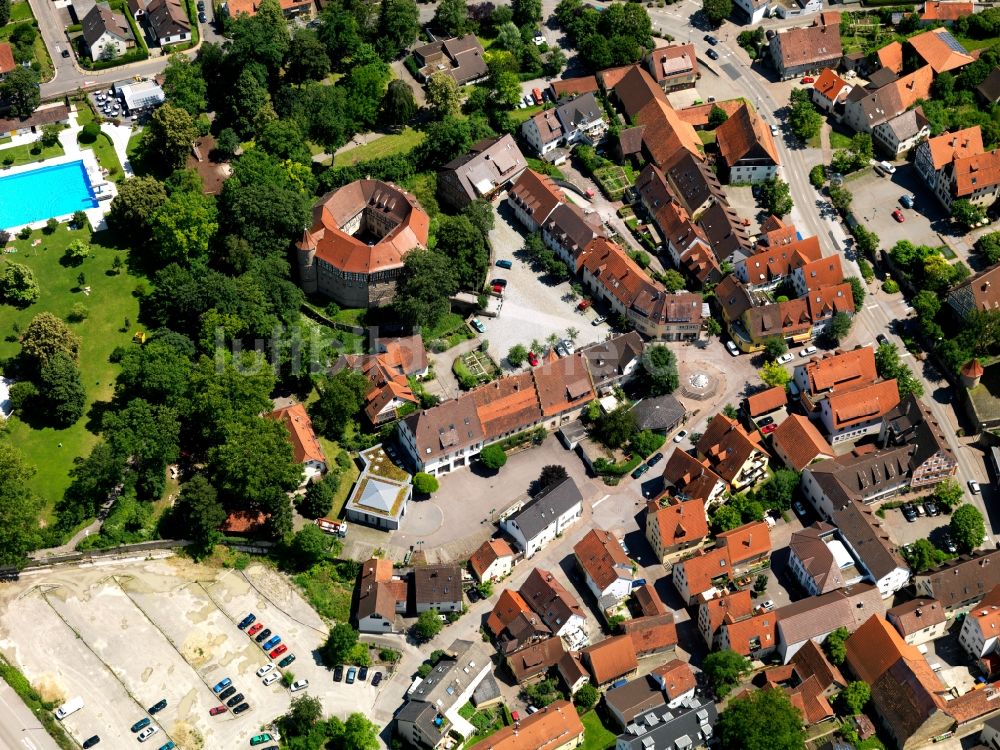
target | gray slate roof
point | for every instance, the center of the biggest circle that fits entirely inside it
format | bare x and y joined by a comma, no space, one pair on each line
546,507
101,19
666,729
660,413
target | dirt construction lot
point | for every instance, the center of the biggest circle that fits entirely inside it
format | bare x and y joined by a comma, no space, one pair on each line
124,635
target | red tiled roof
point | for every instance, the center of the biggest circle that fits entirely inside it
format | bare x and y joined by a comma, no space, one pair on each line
574,86
651,633
690,477
800,442
939,49
611,658
537,194
489,552
550,728
876,646
7,63
829,84
681,522
891,57
830,300
760,627
766,401
727,446
697,116
648,600
976,173
727,608
741,134
635,90
602,558
676,677
563,384
673,61
746,542
508,607
822,272
305,444
959,144
863,404
949,11
842,369
665,132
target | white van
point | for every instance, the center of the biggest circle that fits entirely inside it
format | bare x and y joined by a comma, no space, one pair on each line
69,707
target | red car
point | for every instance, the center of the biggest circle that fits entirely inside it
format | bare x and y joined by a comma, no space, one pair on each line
808,79
515,715
217,710
532,359
279,651
768,428
898,216
254,629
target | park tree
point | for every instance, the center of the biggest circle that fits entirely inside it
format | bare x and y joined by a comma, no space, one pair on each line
839,327
776,196
672,280
45,336
724,670
339,644
857,290
158,372
309,545
304,713
427,281
659,370
761,720
307,58
774,347
777,491
428,625
60,383
803,118
966,212
989,247
198,514
493,457
446,139
527,12
451,17
259,41
397,27
319,497
20,89
443,96
854,698
835,647
425,483
168,136
465,246
586,697
617,427
967,528
147,437
92,479
283,140
517,355
949,493
357,733
340,399
17,285
183,227
19,507
398,104
133,208
248,105
774,374
717,11
184,84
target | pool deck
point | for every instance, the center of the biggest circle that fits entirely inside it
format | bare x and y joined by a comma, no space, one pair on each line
103,188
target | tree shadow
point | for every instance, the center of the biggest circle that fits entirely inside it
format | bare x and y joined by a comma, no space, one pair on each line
95,415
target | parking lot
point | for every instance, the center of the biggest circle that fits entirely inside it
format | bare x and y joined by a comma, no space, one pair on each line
532,309
126,635
876,197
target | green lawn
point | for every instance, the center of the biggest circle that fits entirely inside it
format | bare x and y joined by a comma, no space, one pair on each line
347,477
520,115
104,150
707,137
29,152
543,167
20,11
595,734
839,140
386,145
424,186
109,303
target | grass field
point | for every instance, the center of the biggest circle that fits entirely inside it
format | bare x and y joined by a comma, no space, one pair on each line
520,115
707,137
20,12
109,303
595,734
27,153
386,145
839,140
347,476
104,150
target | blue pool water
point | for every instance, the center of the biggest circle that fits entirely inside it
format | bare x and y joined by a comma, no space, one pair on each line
43,193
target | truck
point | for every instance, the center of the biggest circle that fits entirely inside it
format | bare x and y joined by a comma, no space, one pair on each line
69,707
332,526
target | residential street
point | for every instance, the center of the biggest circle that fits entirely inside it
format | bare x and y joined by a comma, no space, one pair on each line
18,726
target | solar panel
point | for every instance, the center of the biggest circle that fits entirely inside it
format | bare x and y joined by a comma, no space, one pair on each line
952,43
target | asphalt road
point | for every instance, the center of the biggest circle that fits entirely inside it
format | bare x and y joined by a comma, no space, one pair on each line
18,726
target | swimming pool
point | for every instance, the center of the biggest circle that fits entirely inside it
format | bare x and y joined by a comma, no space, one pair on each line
43,193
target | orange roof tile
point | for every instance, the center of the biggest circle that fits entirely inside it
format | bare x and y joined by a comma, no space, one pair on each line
681,522
800,442
911,88
611,77
703,568
727,608
636,89
508,607
976,173
7,62
574,86
726,446
602,558
829,84
780,260
244,521
863,404
743,135
676,677
648,600
948,147
746,542
891,57
672,61
766,401
698,115
506,404
563,384
822,272
876,646
939,49
305,444
689,477
841,369
537,194
951,11
808,697
760,627
549,728
611,658
651,633
830,300
666,133
489,552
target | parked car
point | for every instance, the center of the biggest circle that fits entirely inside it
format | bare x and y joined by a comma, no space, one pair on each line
352,673
515,716
768,429
91,741
973,486
234,700
767,606
898,216
948,543
299,685
202,17
226,693
711,39
640,470
279,651
363,673
264,670
882,339
254,629
271,678
376,679
168,745
247,621
217,710
158,706
679,437
655,459
263,635
808,351
532,359
598,321
887,167
907,201
732,348
146,733
909,513
505,264
799,508
241,708
271,642
65,53
478,325
786,357
712,54
931,507
141,724
807,79
338,673
286,661
764,421
774,130
499,282
260,739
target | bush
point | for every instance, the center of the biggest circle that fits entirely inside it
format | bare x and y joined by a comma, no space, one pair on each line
424,483
90,132
817,176
493,457
890,286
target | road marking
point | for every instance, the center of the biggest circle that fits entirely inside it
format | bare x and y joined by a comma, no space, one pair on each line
872,307
28,743
600,501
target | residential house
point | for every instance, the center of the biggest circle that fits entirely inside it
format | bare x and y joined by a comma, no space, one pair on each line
651,634
886,97
734,298
290,9
7,63
662,414
543,132
305,445
934,156
830,91
381,596
673,67
989,89
687,478
106,33
839,371
798,51
725,608
533,197
636,697
431,711
890,57
567,88
766,270
546,516
852,415
606,568
733,454
798,443
166,20
673,530
747,147
726,232
574,675
946,12
437,587
939,49
753,637
820,560
873,550
677,681
919,620
865,474
634,90
493,560
977,293
388,372
490,166
753,11
897,136
554,727
824,303
736,553
532,662
613,362
810,681
610,660
568,231
690,724
582,119
790,320
817,274
912,423
766,401
647,601
814,618
961,583
559,609
459,57
665,133
513,623
979,634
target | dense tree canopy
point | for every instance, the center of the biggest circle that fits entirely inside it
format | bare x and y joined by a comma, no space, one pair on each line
967,527
659,370
762,720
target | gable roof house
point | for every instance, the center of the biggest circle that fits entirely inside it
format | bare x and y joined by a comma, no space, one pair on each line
489,167
766,270
306,449
510,605
946,12
736,456
459,57
798,443
381,596
809,49
852,415
652,634
736,552
871,547
532,661
687,478
676,529
388,374
817,274
724,608
839,371
980,634
690,724
582,119
614,361
753,637
606,568
961,583
554,727
533,197
886,98
900,134
935,154
543,132
673,67
665,687
558,608
810,681
977,293
570,87
546,516
747,147
610,660
919,620
7,63
820,561
437,587
492,561
830,91
814,618
167,21
939,49
634,90
106,33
